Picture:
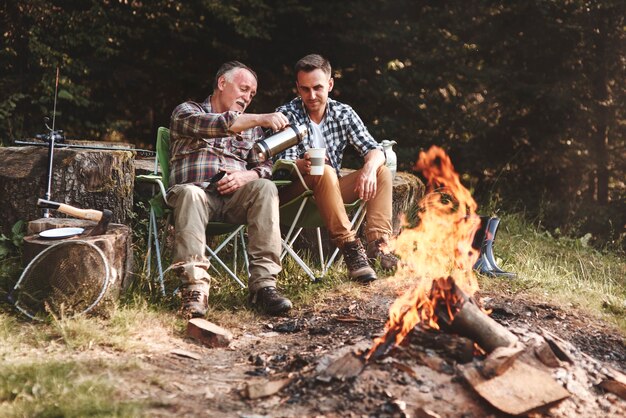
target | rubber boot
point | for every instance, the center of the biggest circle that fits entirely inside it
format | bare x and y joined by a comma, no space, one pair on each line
486,263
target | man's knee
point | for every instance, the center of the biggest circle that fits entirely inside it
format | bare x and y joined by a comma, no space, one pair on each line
186,194
328,178
263,187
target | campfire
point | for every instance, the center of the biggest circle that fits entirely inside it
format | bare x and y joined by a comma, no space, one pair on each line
438,253
515,373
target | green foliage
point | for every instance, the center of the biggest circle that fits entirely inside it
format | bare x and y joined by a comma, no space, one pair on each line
526,96
12,244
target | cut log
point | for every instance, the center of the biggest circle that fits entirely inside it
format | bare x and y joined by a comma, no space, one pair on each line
116,245
519,390
208,334
88,179
473,323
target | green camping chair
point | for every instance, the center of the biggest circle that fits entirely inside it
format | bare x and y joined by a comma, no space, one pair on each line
301,212
159,208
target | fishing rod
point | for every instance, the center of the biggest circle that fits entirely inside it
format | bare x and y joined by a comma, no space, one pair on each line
140,152
51,137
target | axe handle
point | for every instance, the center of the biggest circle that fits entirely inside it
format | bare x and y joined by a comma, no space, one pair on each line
90,214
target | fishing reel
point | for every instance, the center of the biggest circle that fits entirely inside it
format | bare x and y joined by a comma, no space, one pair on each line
52,135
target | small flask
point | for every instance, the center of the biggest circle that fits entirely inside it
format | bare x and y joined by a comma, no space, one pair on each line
391,160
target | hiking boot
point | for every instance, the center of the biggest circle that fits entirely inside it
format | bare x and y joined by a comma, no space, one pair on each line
195,300
376,251
356,261
270,301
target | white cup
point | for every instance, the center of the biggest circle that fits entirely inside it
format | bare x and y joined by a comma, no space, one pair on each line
317,157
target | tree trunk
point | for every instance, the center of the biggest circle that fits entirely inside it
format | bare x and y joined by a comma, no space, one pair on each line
88,179
601,98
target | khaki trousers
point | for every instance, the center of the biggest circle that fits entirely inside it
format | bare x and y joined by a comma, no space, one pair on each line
330,194
255,204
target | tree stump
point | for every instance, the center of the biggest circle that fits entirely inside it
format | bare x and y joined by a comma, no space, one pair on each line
89,179
115,244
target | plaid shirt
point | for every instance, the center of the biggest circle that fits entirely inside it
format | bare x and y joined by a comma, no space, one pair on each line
341,125
201,144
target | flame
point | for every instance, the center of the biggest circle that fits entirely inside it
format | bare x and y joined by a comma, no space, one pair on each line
438,252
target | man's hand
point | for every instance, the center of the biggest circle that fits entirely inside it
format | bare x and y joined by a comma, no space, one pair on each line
366,184
233,180
275,121
304,164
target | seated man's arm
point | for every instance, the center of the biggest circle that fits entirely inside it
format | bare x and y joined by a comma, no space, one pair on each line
190,119
371,151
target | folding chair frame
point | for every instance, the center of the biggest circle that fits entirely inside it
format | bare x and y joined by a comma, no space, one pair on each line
160,181
295,230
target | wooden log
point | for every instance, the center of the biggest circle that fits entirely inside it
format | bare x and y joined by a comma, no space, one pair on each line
473,323
116,245
89,179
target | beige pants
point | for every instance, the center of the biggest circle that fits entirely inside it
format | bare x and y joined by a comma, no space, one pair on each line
255,204
330,194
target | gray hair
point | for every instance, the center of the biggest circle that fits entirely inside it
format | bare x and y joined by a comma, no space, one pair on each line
228,70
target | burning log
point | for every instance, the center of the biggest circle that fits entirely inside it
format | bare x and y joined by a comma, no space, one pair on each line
473,323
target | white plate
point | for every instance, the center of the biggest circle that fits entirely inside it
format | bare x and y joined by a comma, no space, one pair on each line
59,233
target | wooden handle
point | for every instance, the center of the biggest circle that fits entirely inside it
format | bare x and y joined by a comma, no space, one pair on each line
89,214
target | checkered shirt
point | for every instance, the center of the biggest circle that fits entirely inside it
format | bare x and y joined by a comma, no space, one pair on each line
341,126
202,144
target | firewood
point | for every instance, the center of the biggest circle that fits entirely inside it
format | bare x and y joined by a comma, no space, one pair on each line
345,367
615,382
473,323
519,390
208,333
256,390
500,359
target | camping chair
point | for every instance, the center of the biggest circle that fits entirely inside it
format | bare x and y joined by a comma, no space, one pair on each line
301,212
159,208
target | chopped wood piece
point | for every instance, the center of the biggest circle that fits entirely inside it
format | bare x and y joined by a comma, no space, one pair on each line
256,390
208,333
185,353
500,360
345,367
560,348
615,382
519,390
544,352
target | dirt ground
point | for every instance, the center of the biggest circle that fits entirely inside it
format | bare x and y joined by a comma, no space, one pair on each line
179,377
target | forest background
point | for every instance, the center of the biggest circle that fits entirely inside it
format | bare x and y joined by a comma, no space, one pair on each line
526,96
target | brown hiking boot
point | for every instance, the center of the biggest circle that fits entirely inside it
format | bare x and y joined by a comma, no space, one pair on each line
270,301
195,300
376,250
356,261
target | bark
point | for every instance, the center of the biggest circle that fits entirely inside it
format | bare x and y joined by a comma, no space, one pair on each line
115,244
88,179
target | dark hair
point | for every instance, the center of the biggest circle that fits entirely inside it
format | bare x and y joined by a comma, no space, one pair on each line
313,62
229,66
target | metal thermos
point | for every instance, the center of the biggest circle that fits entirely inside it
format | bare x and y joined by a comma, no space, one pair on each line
280,141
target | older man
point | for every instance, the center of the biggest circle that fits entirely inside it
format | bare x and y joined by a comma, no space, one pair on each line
207,138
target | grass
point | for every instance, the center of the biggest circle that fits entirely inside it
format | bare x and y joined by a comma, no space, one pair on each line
60,389
55,368
563,270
